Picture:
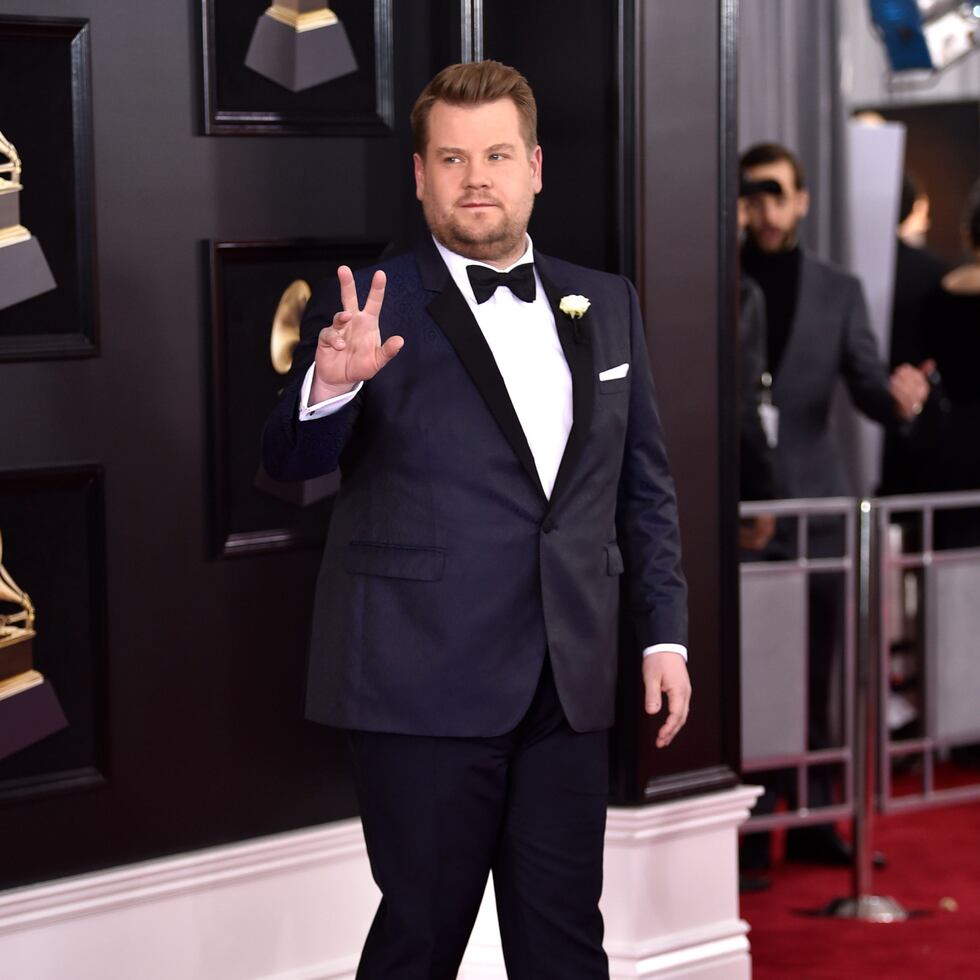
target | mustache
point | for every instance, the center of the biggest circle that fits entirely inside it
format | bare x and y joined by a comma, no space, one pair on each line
477,199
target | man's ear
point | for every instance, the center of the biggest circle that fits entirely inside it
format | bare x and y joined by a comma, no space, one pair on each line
537,159
802,203
419,175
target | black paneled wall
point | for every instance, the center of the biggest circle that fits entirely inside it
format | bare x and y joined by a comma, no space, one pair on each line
685,272
202,730
202,725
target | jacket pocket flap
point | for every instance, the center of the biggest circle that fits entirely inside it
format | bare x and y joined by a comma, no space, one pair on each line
614,560
613,384
395,561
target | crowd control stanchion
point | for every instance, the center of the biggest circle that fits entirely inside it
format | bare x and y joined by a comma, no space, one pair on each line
928,582
862,904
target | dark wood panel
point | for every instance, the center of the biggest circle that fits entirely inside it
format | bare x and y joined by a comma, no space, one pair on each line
685,272
250,512
240,101
205,741
54,547
47,114
575,62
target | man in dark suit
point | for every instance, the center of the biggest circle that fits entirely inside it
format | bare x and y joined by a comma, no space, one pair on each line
493,414
817,336
817,333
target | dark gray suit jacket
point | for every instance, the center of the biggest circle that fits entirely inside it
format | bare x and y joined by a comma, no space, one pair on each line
755,462
447,574
830,340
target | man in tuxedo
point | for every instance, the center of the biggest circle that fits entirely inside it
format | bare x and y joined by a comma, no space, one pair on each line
817,336
493,414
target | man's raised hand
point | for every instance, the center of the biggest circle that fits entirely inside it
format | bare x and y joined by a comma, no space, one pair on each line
350,349
909,386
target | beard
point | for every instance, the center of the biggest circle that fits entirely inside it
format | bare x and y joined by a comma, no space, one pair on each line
774,239
492,242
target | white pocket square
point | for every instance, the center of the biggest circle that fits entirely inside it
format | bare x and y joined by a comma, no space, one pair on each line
610,374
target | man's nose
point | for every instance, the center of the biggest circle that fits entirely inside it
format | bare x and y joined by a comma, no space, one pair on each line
768,209
477,174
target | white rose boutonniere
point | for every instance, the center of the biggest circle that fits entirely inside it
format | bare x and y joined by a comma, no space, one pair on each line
574,306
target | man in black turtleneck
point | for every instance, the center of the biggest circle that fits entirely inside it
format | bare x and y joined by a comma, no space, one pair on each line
817,332
818,335
778,274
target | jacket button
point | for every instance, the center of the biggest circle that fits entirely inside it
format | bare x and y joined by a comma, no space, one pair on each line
550,527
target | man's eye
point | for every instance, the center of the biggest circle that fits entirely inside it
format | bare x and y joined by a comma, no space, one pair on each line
496,156
451,159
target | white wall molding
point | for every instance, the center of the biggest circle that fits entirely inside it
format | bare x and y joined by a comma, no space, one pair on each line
296,906
635,826
293,906
151,881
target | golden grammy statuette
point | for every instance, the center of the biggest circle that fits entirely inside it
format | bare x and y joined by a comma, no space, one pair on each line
24,271
282,342
16,626
285,325
299,44
29,709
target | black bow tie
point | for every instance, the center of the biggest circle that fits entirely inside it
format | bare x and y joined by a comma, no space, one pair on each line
520,281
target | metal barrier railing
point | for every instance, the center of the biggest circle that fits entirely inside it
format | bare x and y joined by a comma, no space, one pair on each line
915,611
777,601
929,649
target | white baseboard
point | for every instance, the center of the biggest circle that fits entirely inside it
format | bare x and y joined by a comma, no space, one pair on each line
294,906
297,906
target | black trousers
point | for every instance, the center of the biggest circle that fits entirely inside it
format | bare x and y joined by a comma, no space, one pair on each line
441,814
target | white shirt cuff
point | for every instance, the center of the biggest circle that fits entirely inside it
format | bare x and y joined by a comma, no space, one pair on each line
668,648
308,412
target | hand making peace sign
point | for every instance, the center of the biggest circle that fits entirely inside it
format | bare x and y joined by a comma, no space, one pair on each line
350,349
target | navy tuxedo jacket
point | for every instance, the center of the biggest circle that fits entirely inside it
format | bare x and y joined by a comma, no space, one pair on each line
447,573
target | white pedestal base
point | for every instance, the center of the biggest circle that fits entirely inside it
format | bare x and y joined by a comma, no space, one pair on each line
24,272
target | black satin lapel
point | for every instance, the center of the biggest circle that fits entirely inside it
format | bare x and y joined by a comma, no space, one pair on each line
432,270
450,310
576,342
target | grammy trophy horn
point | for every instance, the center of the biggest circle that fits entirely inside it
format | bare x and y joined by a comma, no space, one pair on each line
285,325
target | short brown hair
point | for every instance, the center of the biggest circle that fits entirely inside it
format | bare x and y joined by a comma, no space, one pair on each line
475,83
763,154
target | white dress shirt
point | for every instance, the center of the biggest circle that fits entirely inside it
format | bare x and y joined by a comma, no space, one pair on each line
524,342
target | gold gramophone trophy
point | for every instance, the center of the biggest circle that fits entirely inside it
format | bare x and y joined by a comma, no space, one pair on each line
285,325
299,44
29,709
282,343
24,271
16,630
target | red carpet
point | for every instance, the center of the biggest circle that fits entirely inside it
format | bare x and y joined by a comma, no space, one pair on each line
933,871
